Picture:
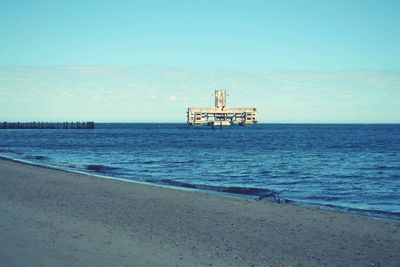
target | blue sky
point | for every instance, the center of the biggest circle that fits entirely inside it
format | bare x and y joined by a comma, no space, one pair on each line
297,61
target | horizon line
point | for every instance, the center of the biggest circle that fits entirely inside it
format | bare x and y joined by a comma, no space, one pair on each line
174,122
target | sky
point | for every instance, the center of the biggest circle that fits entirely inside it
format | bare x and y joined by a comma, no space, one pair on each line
147,61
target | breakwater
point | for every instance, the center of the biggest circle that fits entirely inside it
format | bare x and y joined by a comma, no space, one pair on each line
47,125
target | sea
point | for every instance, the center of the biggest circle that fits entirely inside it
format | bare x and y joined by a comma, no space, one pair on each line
351,168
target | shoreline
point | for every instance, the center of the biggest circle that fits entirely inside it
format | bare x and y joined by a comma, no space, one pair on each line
52,217
379,214
57,168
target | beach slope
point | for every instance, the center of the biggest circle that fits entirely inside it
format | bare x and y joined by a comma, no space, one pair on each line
55,218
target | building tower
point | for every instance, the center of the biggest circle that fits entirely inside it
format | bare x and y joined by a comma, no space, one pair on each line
220,99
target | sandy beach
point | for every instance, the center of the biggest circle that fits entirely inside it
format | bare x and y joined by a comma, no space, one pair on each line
55,218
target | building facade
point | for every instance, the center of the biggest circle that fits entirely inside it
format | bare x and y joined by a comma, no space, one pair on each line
220,114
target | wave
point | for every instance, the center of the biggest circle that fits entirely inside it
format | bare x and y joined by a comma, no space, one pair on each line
392,215
345,176
181,162
100,168
37,157
252,191
384,167
6,150
323,198
147,162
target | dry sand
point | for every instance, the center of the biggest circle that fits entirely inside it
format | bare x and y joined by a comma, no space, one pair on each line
54,218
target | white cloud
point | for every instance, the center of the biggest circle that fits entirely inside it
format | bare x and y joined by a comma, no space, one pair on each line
280,96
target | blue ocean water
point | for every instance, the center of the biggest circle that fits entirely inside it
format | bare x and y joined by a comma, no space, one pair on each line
349,167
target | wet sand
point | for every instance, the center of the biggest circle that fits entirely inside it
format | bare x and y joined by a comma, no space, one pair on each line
55,218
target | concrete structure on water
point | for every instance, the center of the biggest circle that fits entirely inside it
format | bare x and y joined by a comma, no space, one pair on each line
220,115
47,125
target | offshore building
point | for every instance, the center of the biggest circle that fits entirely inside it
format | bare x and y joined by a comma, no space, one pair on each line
220,114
